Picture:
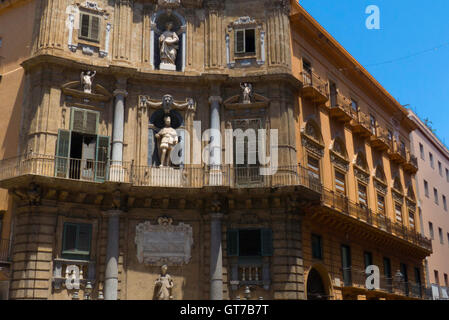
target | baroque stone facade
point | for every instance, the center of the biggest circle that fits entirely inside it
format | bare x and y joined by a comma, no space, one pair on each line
97,209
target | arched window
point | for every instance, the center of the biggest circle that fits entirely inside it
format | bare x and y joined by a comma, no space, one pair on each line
340,148
361,161
313,130
380,173
397,184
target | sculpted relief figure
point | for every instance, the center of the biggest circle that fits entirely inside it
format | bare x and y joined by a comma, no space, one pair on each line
167,139
163,285
87,80
168,43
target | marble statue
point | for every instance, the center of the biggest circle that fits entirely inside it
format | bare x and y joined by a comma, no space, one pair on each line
167,139
86,80
247,92
168,43
163,285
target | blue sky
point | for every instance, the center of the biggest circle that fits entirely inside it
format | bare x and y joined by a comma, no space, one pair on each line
407,28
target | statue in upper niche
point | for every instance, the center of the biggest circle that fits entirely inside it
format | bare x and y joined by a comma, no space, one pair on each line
86,80
168,43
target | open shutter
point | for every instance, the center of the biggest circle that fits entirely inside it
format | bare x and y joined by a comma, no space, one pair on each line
94,28
232,243
266,242
84,29
62,154
77,120
91,122
102,158
240,41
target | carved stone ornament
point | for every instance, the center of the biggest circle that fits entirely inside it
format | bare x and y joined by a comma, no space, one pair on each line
247,100
168,103
361,174
411,204
380,186
164,243
169,3
312,145
339,162
397,196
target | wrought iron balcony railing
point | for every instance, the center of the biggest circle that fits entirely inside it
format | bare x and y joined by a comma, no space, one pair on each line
314,88
147,176
354,277
344,206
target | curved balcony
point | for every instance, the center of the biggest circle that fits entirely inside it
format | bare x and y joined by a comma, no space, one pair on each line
189,176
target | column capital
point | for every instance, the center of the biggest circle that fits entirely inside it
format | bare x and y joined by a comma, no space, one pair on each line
113,213
215,99
122,92
216,215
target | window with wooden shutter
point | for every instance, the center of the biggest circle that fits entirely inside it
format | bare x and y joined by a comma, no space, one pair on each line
89,27
398,211
380,204
340,182
76,241
411,220
84,121
317,247
313,164
267,242
245,41
62,153
232,243
363,199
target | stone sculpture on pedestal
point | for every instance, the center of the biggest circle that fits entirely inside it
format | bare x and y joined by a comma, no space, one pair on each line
163,285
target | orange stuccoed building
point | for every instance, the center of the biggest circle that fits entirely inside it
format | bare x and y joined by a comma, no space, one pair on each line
113,186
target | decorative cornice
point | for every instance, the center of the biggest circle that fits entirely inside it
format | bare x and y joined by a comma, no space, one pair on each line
339,161
312,145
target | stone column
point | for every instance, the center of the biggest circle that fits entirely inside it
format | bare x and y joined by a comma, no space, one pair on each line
216,258
112,253
215,102
116,173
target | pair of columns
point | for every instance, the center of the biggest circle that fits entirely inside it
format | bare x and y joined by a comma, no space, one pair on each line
112,252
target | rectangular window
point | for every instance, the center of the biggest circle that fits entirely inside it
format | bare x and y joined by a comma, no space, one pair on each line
421,151
245,41
403,268
333,93
444,203
387,274
447,175
368,259
76,243
446,280
418,280
431,230
307,72
346,265
249,243
89,27
431,160
340,182
313,164
440,233
440,168
411,220
398,211
426,188
363,199
380,204
373,124
435,195
317,247
436,277
448,238
354,105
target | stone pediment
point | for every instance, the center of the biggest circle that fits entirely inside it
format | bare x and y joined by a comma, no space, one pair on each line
258,101
74,89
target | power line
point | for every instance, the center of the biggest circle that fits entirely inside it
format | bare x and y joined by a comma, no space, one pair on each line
409,56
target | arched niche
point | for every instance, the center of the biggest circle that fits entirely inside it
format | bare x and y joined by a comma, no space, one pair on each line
318,283
158,22
156,123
